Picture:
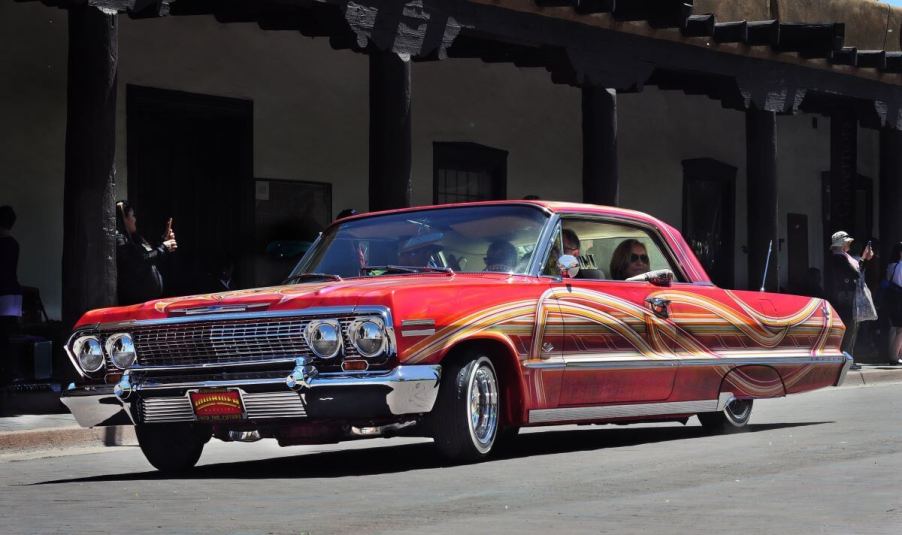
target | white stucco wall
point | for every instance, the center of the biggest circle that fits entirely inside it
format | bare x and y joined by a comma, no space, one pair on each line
311,123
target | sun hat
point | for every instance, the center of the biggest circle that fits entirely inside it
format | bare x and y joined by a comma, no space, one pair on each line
840,238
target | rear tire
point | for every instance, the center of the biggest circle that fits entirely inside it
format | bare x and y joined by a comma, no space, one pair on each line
466,418
172,448
734,417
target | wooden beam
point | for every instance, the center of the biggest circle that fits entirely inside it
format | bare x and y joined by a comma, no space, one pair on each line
763,33
871,59
699,25
847,55
601,178
390,131
843,170
762,195
731,32
89,219
811,40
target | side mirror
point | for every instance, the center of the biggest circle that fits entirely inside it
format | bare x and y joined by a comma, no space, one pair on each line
658,277
568,266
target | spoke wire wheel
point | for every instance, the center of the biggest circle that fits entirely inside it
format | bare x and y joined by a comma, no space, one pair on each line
482,393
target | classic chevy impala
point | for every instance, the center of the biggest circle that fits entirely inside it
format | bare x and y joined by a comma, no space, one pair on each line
460,322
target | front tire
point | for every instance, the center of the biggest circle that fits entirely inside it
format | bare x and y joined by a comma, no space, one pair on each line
465,421
734,417
172,448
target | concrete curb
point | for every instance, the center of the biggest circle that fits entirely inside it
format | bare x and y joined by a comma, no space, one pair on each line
51,438
55,438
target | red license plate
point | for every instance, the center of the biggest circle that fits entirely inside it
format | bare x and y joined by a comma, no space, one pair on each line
217,404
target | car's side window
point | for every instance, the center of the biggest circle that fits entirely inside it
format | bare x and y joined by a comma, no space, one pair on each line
612,250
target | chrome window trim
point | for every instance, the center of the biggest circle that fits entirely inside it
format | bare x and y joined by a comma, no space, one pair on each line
653,231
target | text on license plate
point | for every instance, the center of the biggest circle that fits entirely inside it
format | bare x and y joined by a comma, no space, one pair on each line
216,404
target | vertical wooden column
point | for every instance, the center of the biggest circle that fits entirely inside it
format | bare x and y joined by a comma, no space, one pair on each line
601,178
390,151
843,171
890,189
89,218
761,176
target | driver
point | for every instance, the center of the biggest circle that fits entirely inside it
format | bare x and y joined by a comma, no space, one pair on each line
500,256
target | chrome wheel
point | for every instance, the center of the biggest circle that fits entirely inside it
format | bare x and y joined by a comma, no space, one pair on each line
738,411
482,391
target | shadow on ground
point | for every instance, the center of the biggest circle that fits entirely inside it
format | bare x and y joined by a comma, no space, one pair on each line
383,460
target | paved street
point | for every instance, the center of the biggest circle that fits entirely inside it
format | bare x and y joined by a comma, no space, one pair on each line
824,462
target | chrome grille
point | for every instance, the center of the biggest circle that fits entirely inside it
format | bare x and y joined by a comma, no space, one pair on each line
226,341
156,410
257,406
274,405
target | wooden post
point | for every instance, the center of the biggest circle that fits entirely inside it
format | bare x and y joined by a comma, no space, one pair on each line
843,171
390,150
890,190
89,218
761,176
601,179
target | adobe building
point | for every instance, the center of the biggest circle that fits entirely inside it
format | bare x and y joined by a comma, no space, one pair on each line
743,123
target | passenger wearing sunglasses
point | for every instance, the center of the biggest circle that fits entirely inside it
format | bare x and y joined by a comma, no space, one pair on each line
629,259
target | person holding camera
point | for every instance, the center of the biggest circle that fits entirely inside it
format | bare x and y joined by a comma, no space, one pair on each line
137,260
845,283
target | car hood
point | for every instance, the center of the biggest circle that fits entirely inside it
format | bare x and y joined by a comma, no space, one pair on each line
425,289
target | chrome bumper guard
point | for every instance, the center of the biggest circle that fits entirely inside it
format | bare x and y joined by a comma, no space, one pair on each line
410,390
845,368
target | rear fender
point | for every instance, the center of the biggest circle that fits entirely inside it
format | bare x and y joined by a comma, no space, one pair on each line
753,381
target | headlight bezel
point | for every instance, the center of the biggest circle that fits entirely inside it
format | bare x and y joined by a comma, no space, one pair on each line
354,336
77,347
109,346
314,327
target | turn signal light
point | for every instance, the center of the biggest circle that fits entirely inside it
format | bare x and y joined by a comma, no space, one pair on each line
355,365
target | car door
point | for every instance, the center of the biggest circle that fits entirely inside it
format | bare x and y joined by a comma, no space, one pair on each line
614,351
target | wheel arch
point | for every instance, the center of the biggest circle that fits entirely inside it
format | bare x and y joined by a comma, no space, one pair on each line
752,381
507,366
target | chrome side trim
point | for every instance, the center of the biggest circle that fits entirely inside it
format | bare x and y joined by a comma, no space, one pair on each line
418,323
420,332
639,362
571,414
845,369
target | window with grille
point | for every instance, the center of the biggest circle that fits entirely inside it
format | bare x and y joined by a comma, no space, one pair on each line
464,172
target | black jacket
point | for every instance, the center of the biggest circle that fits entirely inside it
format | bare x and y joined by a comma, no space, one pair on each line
842,284
136,262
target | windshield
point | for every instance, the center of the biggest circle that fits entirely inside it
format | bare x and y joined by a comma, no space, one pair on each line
466,239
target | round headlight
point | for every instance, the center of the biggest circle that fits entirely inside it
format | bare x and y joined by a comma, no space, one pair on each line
89,353
368,337
121,350
324,338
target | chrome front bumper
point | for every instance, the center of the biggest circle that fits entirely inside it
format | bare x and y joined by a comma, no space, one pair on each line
406,390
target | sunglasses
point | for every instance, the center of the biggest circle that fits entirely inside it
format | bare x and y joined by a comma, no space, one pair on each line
636,257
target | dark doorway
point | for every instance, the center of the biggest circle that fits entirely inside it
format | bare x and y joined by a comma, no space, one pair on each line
797,250
709,216
464,172
190,157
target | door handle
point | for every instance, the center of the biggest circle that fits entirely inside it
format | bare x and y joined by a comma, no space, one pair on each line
660,306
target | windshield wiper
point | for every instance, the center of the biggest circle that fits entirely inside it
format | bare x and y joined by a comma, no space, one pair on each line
389,268
311,276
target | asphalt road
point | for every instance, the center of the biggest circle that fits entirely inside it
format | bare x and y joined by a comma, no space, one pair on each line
823,462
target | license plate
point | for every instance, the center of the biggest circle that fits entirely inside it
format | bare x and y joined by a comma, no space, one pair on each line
217,404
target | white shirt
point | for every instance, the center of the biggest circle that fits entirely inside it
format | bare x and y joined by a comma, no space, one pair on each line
894,274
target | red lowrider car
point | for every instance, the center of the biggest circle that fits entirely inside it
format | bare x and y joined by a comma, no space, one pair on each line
459,322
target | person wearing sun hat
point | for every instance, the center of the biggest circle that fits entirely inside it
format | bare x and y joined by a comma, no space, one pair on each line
844,280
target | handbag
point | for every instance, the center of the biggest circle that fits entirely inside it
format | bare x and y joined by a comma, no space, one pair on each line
864,309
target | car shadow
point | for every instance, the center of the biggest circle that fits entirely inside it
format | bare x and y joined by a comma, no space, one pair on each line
394,459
